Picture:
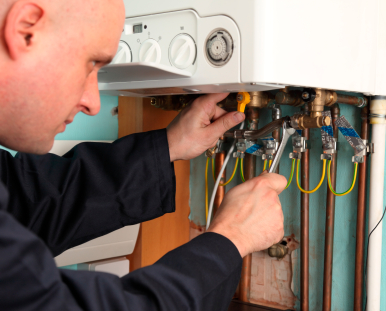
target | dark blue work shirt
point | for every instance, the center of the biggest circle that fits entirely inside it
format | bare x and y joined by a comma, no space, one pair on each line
55,203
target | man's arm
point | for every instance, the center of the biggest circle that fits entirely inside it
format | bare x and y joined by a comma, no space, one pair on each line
201,275
94,189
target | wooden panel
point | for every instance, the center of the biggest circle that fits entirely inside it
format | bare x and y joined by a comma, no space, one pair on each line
130,121
130,115
161,235
164,234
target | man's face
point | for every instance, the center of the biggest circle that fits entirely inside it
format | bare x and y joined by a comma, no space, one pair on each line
56,78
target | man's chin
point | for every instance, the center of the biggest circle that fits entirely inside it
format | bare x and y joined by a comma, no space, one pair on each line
40,147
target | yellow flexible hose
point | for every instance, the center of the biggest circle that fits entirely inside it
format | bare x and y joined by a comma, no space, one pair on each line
242,170
352,184
232,176
265,165
320,182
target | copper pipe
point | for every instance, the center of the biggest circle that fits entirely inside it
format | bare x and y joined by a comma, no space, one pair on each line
249,173
304,239
245,281
219,162
361,220
252,118
291,98
352,100
330,219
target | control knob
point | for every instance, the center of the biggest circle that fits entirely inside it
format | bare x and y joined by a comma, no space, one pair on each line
123,55
182,51
150,51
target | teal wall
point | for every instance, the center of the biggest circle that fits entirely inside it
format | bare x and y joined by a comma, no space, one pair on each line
103,126
345,214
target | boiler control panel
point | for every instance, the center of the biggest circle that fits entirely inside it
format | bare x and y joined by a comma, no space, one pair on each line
168,39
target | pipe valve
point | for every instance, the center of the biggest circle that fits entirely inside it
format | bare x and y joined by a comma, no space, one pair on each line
302,121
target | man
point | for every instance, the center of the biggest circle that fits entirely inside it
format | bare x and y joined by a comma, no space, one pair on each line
50,52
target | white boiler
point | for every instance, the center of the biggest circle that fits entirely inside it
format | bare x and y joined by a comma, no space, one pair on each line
202,46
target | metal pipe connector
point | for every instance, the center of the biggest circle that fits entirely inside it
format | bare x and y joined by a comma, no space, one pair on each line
278,251
172,102
322,98
291,98
252,117
260,99
303,122
359,102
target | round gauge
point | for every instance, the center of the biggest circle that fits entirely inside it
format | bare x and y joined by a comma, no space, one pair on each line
182,51
123,55
219,48
150,51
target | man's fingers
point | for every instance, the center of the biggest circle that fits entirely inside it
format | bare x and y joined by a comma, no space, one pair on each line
225,123
276,182
219,112
209,102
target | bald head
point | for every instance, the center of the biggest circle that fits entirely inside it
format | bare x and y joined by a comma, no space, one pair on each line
50,53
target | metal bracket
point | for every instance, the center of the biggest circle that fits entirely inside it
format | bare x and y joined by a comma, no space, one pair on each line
369,146
295,155
267,157
330,147
300,144
270,146
326,156
241,148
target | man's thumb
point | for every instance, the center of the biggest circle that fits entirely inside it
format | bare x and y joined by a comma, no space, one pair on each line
226,122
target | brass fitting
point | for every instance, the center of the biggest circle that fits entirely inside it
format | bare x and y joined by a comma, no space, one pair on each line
260,99
303,122
172,102
211,152
278,251
322,98
291,98
252,118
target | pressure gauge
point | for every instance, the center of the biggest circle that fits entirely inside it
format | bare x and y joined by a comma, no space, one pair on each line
219,48
182,51
123,55
150,51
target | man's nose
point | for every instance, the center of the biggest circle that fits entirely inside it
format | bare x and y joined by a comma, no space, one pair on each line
90,101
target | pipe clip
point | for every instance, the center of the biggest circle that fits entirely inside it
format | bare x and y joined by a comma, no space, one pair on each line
270,148
376,115
241,148
295,155
369,146
300,143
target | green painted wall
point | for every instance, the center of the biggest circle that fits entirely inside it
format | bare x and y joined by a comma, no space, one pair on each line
345,216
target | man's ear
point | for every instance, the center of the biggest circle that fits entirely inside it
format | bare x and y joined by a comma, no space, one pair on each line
22,26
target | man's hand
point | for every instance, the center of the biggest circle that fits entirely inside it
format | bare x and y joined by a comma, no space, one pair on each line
198,127
251,215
